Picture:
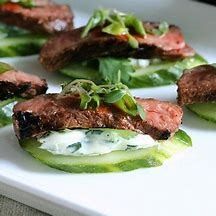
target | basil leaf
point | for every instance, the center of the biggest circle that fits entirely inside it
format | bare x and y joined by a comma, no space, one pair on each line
132,21
5,67
157,73
114,96
109,70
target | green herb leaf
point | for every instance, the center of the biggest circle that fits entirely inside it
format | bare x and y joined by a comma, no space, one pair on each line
162,29
128,105
133,22
96,99
116,94
115,29
99,17
141,112
5,67
74,147
116,23
113,70
24,3
133,42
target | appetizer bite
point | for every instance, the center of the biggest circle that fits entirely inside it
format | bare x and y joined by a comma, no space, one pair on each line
197,90
16,86
43,17
114,44
99,128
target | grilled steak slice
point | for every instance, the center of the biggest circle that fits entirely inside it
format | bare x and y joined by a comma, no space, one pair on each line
48,112
197,85
46,17
70,47
17,83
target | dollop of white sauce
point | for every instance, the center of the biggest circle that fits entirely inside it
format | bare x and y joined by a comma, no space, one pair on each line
92,142
138,63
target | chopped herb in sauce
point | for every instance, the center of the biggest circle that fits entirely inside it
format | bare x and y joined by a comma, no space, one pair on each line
74,147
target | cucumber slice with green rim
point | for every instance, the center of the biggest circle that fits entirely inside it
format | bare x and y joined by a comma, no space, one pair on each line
19,42
157,73
6,110
79,71
21,45
206,111
114,161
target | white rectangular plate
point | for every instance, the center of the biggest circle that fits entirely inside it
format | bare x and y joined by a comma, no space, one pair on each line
185,185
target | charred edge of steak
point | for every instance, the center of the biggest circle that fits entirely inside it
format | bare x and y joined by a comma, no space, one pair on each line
97,44
197,85
60,18
25,89
25,124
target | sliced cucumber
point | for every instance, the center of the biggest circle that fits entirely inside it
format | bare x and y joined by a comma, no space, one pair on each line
19,42
21,45
115,161
204,110
80,71
6,110
157,73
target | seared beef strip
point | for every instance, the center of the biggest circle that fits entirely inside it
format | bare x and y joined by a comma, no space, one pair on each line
43,113
69,47
197,85
46,17
17,83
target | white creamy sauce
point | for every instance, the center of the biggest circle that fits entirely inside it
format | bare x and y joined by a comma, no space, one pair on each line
92,142
8,109
140,62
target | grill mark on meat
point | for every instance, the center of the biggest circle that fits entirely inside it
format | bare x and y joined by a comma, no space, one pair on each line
197,85
46,17
69,47
43,113
17,83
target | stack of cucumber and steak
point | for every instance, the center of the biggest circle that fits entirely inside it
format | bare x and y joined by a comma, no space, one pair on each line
95,124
